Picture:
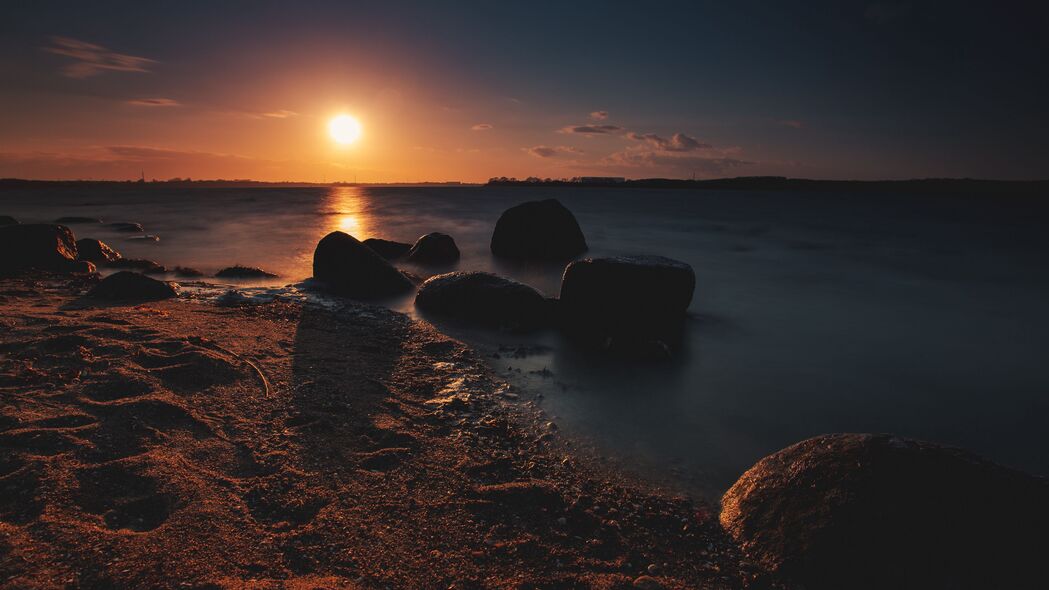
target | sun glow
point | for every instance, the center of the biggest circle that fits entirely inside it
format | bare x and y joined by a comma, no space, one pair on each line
344,129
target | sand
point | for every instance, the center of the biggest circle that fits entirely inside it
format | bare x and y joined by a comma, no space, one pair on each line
282,445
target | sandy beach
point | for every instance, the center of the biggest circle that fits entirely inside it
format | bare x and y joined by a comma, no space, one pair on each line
186,444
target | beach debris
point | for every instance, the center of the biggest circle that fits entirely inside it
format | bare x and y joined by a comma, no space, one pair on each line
37,245
435,249
132,286
96,251
543,230
388,249
350,268
484,298
244,272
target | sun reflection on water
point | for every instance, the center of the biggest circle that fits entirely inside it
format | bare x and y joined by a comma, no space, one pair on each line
347,209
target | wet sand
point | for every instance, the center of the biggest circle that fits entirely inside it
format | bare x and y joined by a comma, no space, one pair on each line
285,445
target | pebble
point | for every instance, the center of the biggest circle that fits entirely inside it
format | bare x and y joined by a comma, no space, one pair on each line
647,583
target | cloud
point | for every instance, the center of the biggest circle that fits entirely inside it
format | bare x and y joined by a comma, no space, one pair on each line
281,114
679,142
591,129
481,127
154,102
791,123
543,151
599,115
90,59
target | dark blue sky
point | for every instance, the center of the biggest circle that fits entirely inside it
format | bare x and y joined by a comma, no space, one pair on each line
821,89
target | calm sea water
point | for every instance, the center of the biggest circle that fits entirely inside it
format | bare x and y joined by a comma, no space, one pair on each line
814,313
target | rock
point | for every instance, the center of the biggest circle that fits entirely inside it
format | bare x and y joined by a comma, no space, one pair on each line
83,267
644,296
7,220
187,272
434,248
126,227
75,219
388,249
484,298
351,268
139,264
878,511
146,238
244,272
543,230
647,583
96,251
37,245
131,286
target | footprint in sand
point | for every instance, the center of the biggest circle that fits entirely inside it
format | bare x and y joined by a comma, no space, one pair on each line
284,501
124,499
191,370
19,491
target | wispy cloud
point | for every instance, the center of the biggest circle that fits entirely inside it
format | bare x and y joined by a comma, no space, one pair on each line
281,114
679,142
791,123
90,59
599,115
591,129
154,102
481,127
544,151
678,155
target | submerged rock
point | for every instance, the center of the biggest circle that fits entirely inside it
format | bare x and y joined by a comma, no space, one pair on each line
126,227
187,272
96,251
139,264
146,238
7,220
388,249
131,286
484,298
244,272
879,511
349,267
544,230
635,295
75,219
83,267
434,248
37,245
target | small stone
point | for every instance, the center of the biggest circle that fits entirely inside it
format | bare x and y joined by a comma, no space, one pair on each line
647,583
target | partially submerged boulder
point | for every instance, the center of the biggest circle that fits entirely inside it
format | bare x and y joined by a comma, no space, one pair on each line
350,268
434,248
126,227
244,272
879,511
484,298
97,251
7,220
629,295
140,264
388,249
37,245
187,272
542,230
132,286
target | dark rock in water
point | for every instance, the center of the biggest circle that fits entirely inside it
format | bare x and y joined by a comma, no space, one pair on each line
96,251
187,272
8,220
146,238
131,286
877,511
37,245
636,295
244,272
139,264
349,267
434,248
484,298
126,227
388,249
83,267
74,219
543,230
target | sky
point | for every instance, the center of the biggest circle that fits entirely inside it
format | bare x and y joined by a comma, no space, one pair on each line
466,90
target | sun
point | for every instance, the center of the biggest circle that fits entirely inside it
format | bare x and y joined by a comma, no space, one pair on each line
344,129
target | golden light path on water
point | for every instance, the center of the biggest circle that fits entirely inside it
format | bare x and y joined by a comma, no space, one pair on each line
345,209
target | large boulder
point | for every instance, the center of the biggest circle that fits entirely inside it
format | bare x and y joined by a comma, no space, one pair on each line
96,251
351,268
626,296
7,220
484,298
878,511
37,245
140,264
388,249
542,230
131,286
434,248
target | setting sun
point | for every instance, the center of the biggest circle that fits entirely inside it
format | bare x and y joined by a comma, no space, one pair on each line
344,129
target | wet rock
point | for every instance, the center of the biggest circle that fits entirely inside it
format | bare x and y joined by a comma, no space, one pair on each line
126,227
640,296
187,272
140,264
349,267
484,298
83,267
75,219
388,249
244,272
96,251
146,238
131,286
7,220
544,230
879,511
434,248
37,245
647,583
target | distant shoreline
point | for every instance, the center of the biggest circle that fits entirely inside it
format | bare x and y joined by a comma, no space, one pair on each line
762,183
